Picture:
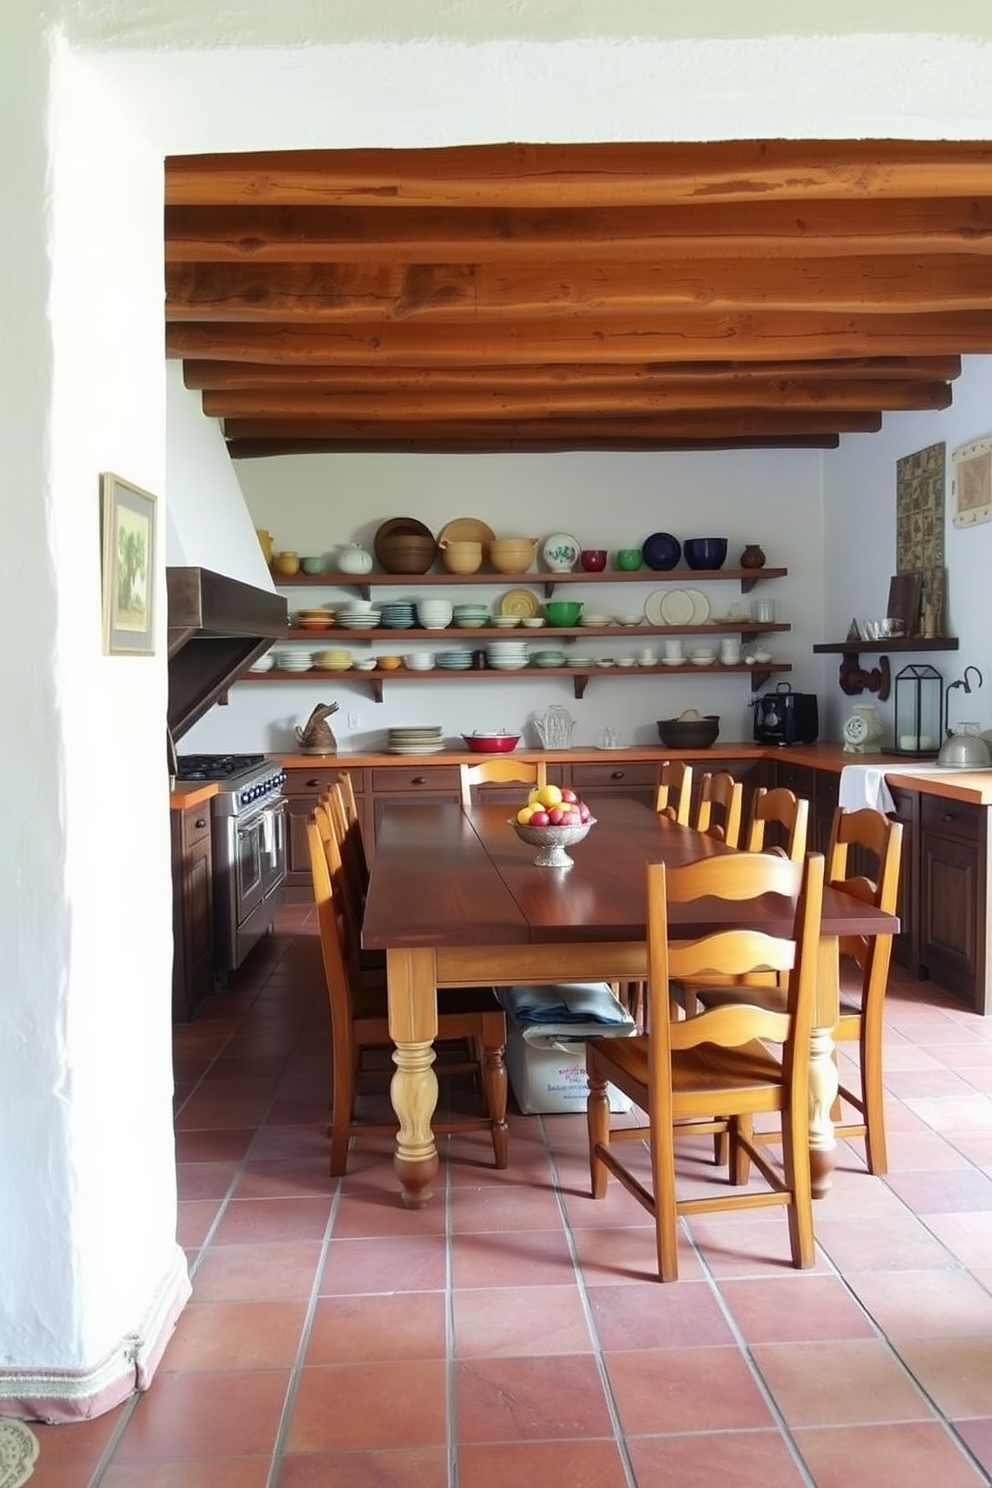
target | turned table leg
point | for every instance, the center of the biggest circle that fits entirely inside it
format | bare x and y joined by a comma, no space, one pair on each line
823,1068
412,991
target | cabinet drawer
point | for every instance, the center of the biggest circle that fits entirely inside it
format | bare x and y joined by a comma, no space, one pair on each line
950,818
799,779
418,777
640,774
312,782
194,825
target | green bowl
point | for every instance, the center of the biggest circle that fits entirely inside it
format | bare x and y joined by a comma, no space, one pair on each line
629,559
313,565
563,611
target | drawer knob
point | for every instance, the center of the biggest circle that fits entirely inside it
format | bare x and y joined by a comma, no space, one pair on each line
948,816
314,784
617,774
419,780
201,821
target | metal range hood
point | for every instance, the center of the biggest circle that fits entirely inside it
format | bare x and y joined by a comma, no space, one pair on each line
217,627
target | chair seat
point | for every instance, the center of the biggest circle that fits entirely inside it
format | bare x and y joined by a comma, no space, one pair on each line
702,1071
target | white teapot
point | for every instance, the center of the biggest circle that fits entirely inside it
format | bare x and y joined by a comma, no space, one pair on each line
354,560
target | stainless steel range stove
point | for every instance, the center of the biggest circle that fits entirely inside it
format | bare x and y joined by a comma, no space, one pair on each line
248,838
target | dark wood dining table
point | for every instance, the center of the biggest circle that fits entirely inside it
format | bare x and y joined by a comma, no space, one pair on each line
455,900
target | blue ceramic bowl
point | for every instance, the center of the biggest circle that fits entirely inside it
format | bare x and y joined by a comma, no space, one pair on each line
661,551
705,552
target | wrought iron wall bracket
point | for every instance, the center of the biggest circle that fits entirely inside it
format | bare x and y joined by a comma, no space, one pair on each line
855,679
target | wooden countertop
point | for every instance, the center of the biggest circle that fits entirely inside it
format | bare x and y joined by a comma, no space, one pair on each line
970,786
187,793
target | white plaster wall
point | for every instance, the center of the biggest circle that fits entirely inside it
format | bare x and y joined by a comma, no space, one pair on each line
860,550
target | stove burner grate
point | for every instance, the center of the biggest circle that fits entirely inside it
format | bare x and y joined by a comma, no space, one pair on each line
216,766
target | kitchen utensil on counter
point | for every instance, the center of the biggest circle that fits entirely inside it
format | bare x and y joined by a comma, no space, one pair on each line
965,749
317,736
786,717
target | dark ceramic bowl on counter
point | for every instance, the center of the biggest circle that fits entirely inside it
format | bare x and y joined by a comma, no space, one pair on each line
689,733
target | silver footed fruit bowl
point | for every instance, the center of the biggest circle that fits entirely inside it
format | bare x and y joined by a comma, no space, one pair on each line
552,841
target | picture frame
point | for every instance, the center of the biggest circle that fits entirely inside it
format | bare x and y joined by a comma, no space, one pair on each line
971,484
127,544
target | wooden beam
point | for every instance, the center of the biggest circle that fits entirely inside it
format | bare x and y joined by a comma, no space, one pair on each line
258,449
653,339
229,375
586,175
557,402
732,423
251,234
443,293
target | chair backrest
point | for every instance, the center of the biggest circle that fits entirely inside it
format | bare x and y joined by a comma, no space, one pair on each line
332,947
674,793
789,811
735,953
348,910
719,789
333,798
498,769
354,827
870,832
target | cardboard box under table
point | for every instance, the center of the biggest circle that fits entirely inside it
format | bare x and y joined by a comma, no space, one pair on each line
547,1028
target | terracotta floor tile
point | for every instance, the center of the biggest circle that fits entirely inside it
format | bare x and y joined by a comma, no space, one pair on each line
205,1180
213,1146
617,1256
400,1467
235,1335
949,1192
745,1245
391,1264
647,1315
359,1329
526,1464
902,1243
955,1372
658,1391
923,1151
231,1472
965,1235
969,1112
519,1321
375,1209
308,1178
977,1436
203,1415
839,1383
383,1404
802,1306
507,1400
252,1273
504,1207
517,1258
746,1459
923,1304
68,1454
914,1454
193,1221
265,1221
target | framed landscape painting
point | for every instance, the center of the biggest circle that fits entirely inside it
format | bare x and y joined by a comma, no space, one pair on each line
127,523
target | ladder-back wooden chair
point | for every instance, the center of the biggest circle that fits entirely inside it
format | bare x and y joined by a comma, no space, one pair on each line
788,812
673,797
500,769
715,1072
718,810
359,1022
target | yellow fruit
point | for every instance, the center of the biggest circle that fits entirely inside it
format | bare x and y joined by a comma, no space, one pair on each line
533,794
524,814
549,795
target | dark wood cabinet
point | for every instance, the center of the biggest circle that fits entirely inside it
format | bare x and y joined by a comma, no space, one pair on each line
613,778
302,789
192,910
906,946
953,883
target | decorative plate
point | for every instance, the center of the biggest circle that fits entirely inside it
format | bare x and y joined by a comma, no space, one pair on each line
661,550
467,529
406,525
677,607
700,607
520,602
560,552
653,613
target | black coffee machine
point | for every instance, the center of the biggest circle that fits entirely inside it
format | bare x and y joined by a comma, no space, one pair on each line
786,717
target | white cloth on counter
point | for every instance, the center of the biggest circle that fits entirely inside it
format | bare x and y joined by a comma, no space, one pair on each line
864,785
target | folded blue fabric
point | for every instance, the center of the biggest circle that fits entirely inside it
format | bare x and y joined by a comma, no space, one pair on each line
563,1002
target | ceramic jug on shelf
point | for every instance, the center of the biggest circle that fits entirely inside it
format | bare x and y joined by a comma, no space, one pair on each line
265,543
354,560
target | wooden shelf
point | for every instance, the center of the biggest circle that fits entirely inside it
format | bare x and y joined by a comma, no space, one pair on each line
748,578
466,634
759,672
895,643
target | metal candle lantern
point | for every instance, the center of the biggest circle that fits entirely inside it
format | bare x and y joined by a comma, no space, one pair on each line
919,711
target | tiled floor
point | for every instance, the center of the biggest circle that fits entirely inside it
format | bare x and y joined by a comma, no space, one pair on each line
511,1334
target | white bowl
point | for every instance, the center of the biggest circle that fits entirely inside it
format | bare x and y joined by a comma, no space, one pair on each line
419,661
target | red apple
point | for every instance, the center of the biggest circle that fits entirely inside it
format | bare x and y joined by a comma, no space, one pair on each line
556,816
568,795
539,819
584,812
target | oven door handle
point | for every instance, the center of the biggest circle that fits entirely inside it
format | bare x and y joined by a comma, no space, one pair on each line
269,834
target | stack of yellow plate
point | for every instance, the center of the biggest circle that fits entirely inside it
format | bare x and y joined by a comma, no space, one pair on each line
333,661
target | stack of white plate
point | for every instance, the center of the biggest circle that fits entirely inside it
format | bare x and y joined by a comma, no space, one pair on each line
457,660
470,616
507,656
434,614
359,616
293,661
416,739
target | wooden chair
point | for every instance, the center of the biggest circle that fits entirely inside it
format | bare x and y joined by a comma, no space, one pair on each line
862,1007
498,769
791,814
719,789
359,1022
714,1072
674,794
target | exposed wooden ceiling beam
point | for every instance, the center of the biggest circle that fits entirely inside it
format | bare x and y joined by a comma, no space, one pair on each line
497,444
469,234
585,175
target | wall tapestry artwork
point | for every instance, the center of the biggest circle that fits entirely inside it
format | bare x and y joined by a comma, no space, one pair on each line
920,484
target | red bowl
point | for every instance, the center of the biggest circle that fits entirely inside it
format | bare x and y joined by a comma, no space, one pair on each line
491,743
593,560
